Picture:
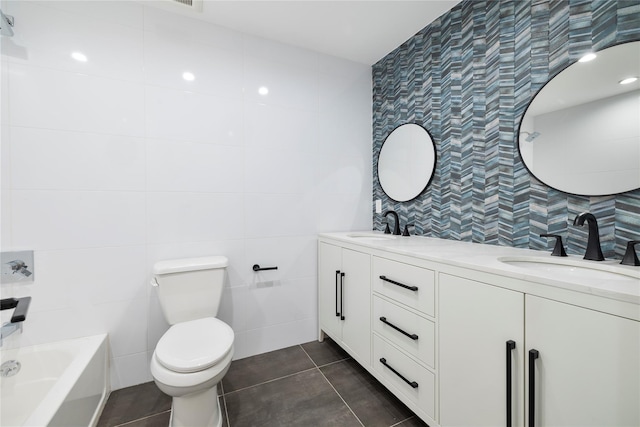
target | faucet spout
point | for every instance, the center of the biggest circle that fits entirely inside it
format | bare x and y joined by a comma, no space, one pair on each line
594,251
396,224
21,306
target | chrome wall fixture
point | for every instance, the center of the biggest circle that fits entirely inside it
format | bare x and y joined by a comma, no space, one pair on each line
6,24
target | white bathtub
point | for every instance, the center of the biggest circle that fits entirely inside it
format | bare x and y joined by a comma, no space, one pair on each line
64,383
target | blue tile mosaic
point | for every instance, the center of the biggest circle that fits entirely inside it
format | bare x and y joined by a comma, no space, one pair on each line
468,78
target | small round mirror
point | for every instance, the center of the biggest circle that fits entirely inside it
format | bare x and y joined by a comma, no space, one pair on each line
406,162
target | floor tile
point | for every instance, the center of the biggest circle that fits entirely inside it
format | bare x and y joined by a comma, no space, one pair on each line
265,367
304,399
325,352
159,420
372,403
412,422
132,403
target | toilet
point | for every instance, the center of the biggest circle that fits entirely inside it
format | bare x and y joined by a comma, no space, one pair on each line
195,353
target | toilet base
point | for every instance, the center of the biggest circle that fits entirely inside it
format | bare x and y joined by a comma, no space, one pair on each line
197,409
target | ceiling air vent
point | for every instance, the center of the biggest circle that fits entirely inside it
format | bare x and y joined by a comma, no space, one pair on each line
195,5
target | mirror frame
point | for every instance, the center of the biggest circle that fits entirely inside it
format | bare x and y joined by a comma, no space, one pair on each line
518,140
433,170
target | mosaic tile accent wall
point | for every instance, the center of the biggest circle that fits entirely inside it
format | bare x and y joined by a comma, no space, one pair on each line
468,78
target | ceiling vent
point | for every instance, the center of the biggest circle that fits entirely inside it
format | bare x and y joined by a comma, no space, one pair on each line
195,5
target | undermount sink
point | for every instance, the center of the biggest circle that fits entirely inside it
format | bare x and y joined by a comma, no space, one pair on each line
371,236
577,269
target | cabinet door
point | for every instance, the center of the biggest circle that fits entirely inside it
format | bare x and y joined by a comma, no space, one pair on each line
329,268
588,369
356,309
475,322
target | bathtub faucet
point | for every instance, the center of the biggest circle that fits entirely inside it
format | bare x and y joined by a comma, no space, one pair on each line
21,306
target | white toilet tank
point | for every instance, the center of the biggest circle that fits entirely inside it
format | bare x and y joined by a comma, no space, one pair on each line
191,288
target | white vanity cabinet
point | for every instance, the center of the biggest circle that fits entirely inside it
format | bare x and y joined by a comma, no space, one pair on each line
585,364
464,339
344,296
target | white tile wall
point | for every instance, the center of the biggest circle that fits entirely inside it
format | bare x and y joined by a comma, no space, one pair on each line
112,164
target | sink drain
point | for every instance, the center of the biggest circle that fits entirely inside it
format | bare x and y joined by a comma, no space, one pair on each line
9,368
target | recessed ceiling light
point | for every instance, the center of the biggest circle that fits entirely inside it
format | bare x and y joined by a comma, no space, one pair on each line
188,76
588,57
628,80
263,90
78,56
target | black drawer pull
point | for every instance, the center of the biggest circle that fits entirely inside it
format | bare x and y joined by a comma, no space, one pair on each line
533,355
411,383
341,296
511,345
412,336
412,288
337,274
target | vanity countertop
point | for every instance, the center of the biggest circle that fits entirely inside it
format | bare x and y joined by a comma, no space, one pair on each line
607,279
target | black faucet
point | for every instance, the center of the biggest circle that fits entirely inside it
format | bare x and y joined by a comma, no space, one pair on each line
396,225
594,251
630,256
21,306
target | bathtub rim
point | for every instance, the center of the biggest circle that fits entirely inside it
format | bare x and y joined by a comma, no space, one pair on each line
88,347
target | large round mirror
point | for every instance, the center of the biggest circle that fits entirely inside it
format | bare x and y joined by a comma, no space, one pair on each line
406,162
581,132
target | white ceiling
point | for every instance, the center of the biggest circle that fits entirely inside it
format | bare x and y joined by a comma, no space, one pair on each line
362,31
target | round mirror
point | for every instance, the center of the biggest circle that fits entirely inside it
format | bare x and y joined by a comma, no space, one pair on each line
406,162
581,132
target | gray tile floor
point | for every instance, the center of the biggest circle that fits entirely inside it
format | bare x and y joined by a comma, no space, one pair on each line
313,384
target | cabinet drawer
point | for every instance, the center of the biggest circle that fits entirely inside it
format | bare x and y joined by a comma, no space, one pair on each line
423,395
418,338
420,297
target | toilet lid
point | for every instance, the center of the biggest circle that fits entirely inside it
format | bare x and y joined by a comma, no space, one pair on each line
195,345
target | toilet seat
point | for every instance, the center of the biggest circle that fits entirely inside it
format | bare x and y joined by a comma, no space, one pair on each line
195,345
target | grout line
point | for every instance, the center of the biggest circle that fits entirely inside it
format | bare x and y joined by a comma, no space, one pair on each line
226,411
400,422
143,418
340,396
310,358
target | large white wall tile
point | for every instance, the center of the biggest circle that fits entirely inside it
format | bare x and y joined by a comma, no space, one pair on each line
274,215
271,338
51,99
192,217
189,116
129,370
217,71
63,160
288,86
273,127
53,34
77,219
189,166
279,171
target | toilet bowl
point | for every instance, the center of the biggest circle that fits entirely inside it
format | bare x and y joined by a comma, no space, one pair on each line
190,360
195,353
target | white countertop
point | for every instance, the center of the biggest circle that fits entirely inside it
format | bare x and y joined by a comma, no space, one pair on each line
487,258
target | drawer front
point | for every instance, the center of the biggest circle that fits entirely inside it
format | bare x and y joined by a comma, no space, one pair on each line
422,298
412,333
423,396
